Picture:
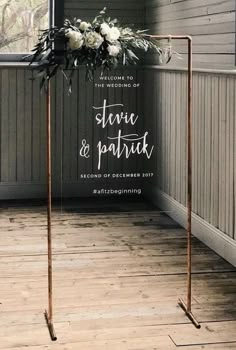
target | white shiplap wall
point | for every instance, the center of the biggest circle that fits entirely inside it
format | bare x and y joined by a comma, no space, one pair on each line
214,142
211,23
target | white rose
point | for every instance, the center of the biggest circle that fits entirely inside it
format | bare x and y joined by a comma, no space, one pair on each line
113,34
84,26
104,29
93,40
75,39
113,50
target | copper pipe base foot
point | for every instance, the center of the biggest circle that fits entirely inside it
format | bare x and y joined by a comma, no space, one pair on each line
189,313
50,327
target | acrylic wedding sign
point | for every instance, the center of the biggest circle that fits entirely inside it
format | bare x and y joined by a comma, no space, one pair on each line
120,145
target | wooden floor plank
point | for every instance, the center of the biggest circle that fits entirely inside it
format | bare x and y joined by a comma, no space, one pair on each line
118,274
212,332
214,346
150,343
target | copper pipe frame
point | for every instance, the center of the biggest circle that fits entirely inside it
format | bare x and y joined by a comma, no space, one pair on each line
49,315
187,307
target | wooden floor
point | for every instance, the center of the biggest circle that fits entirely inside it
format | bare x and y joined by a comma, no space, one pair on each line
119,269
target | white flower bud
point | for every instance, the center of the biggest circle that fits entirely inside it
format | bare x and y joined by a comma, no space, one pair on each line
113,50
104,29
84,26
93,40
113,34
75,39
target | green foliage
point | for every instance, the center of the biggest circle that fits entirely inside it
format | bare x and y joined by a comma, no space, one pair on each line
102,44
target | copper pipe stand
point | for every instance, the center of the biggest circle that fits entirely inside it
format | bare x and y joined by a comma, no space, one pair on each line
189,314
50,326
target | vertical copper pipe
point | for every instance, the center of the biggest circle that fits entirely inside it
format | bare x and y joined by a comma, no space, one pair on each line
189,191
187,308
49,207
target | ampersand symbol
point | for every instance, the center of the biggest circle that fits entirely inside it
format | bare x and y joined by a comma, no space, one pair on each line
84,150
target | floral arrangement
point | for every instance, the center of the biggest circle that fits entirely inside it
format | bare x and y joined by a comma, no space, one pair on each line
100,44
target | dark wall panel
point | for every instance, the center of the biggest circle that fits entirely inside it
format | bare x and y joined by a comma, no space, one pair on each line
128,12
23,132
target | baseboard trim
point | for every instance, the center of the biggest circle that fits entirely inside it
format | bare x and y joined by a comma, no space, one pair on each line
222,244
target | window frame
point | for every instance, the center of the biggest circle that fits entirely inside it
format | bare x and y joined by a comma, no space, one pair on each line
56,17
